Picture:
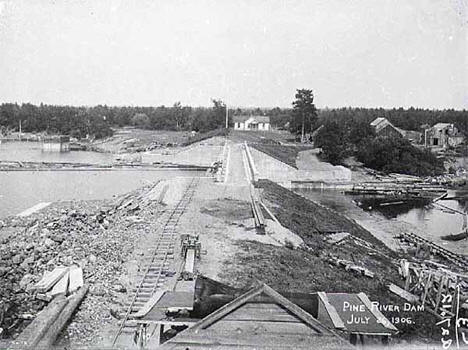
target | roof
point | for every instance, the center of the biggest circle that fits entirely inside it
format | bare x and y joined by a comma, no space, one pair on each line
442,125
258,319
380,123
257,118
342,309
377,121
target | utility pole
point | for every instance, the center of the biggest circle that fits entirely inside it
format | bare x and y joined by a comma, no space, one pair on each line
302,137
227,117
20,130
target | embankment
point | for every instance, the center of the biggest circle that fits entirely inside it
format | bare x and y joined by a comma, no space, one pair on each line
309,270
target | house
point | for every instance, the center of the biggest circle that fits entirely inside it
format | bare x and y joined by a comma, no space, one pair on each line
56,144
383,127
254,122
258,319
442,135
346,313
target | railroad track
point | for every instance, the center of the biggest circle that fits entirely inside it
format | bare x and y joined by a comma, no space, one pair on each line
455,258
156,266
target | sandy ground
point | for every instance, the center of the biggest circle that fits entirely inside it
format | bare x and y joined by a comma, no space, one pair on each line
115,143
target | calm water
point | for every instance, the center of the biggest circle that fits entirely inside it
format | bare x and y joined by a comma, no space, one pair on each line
32,152
430,220
20,190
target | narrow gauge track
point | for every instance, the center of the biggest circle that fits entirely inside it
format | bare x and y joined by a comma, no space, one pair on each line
156,266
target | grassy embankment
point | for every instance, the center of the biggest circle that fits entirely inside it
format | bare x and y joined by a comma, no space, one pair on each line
272,143
309,271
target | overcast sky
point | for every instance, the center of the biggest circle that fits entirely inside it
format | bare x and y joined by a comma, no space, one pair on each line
370,53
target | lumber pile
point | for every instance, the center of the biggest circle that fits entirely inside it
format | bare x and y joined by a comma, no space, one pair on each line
61,281
350,266
53,287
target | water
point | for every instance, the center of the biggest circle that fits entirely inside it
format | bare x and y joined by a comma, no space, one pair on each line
430,222
32,152
20,190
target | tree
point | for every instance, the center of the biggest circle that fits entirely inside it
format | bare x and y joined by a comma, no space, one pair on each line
333,140
140,120
304,115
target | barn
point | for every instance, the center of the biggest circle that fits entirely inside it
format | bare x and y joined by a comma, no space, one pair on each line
384,128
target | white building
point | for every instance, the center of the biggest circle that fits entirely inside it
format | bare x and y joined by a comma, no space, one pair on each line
254,122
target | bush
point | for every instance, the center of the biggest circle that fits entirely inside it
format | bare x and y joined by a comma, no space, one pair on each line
397,155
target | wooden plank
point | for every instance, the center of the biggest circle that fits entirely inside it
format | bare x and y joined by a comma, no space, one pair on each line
150,303
335,317
426,288
61,287
76,278
190,261
267,327
49,279
275,296
33,209
403,293
261,314
214,340
376,312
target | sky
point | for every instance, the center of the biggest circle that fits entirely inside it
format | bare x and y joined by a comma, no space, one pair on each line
249,53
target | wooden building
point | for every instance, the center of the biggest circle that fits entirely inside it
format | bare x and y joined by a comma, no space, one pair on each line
442,135
258,319
383,127
56,144
252,123
354,315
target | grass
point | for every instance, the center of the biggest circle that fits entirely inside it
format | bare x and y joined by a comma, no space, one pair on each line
206,135
308,270
283,153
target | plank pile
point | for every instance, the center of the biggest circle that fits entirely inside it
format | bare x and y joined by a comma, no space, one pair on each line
61,281
350,266
54,287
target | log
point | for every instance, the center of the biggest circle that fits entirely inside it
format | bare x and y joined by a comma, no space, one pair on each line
33,333
59,323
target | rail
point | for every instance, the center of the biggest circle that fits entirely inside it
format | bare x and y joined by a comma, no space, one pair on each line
455,258
156,269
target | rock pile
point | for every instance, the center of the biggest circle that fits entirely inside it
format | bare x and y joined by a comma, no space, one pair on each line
94,235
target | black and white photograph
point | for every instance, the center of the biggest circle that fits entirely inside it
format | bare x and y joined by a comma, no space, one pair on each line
233,174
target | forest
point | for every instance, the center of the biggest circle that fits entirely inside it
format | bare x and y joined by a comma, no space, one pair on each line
98,121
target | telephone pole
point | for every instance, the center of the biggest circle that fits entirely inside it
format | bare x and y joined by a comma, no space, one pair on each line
227,117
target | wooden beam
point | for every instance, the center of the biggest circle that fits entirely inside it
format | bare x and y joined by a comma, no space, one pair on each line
61,287
76,278
376,312
426,288
150,304
33,333
335,317
403,293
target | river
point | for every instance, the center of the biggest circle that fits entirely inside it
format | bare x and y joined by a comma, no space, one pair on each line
430,222
32,152
20,190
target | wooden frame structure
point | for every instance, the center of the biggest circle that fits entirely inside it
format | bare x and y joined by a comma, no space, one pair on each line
429,286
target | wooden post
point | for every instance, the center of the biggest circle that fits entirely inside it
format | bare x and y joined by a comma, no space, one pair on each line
442,283
426,288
